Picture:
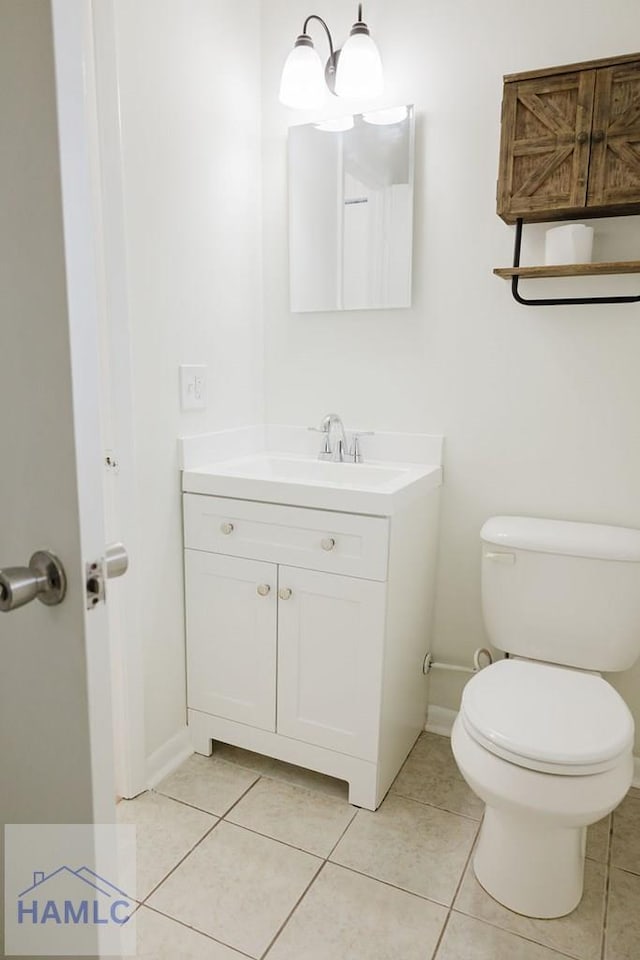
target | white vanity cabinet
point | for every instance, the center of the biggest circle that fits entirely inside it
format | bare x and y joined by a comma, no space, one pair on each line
306,633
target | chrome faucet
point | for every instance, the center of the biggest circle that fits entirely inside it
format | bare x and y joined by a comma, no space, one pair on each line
337,449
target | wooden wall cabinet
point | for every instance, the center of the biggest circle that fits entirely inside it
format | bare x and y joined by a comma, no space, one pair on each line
570,145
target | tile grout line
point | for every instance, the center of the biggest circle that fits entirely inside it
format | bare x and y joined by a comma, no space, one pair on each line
167,916
180,862
387,883
607,888
455,894
285,843
201,933
293,910
193,806
333,848
306,890
518,936
434,806
200,841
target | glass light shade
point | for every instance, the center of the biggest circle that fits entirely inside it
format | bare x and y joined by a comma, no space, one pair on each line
359,73
337,125
384,118
303,85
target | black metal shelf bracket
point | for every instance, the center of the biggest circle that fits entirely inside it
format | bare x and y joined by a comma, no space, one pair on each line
554,302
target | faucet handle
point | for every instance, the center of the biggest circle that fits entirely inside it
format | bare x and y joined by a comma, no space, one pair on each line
355,452
325,453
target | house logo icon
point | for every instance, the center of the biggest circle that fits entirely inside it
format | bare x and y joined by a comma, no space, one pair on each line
68,897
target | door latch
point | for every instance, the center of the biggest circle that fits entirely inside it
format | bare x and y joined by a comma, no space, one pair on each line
115,563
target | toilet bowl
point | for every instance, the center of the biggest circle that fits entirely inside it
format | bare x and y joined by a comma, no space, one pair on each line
541,737
543,777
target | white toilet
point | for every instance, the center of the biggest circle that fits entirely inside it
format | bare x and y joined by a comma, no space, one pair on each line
541,737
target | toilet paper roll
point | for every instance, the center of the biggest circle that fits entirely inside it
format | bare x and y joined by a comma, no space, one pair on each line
572,243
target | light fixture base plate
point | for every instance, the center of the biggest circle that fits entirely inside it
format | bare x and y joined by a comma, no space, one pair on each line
330,71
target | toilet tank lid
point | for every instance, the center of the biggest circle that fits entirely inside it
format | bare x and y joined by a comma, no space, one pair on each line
563,537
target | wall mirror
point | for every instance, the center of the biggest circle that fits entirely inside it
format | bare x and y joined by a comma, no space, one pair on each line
351,212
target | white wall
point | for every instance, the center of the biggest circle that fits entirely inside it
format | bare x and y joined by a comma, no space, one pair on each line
539,406
189,73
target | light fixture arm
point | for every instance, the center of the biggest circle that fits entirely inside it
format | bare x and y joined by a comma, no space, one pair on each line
332,62
314,16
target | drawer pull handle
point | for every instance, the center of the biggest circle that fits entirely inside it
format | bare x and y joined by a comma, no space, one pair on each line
501,557
286,593
226,528
264,590
328,543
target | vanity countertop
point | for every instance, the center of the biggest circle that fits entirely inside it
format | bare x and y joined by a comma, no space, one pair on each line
378,488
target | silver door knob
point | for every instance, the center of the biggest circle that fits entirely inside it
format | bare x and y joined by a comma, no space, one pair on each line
264,590
44,578
286,593
226,528
328,543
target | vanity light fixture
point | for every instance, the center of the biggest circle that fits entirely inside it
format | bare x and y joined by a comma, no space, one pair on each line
355,71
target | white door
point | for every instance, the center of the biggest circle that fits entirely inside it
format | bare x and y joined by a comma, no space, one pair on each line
55,743
330,648
231,637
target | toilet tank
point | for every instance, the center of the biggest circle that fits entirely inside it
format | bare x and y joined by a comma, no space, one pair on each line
562,592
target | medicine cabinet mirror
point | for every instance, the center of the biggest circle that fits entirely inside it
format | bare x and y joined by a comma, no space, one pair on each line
351,212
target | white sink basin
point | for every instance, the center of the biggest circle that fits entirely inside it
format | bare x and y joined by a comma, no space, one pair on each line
299,470
375,488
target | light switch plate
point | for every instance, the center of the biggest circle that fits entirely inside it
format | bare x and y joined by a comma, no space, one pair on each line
193,387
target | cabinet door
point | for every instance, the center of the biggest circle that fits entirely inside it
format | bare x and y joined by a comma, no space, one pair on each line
330,650
544,152
614,175
231,637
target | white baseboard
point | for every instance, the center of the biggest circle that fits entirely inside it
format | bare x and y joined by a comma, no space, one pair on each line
440,720
168,757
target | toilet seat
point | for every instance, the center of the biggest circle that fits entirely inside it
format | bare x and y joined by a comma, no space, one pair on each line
547,718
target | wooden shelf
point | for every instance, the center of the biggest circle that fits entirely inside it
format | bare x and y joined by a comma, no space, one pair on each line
570,270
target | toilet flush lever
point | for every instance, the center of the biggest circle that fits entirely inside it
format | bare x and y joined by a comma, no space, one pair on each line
501,557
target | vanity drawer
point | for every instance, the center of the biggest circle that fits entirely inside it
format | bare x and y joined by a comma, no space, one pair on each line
315,539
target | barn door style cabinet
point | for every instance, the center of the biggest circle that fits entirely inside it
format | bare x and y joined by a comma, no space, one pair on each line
570,149
571,142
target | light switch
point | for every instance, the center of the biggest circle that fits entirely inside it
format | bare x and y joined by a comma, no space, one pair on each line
193,387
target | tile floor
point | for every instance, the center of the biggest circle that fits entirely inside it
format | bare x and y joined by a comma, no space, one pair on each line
243,856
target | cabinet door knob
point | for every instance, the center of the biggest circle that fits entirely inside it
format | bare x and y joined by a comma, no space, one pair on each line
264,590
226,528
285,594
328,543
582,137
598,136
